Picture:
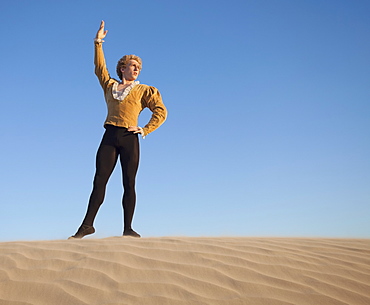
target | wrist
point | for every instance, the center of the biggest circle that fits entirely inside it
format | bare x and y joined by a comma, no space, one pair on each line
98,40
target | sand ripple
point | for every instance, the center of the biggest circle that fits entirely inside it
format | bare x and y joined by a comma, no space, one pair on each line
184,270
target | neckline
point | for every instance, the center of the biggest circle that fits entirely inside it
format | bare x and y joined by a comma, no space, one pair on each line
121,94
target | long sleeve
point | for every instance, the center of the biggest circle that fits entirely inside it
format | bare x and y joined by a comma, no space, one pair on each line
158,109
100,66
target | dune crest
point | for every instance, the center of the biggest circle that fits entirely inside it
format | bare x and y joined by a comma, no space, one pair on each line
185,270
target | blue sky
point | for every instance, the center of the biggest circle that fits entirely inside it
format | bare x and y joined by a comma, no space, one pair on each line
268,132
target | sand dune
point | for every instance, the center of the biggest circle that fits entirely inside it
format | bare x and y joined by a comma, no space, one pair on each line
186,270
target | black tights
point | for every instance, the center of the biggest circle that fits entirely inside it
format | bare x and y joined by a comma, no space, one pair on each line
117,141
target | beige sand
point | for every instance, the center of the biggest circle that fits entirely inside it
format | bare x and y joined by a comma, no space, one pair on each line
185,270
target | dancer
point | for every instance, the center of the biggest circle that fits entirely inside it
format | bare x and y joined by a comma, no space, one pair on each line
125,100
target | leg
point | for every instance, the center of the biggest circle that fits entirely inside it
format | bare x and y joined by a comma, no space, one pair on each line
129,158
106,160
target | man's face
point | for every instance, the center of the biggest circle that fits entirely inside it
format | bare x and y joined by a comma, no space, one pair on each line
131,71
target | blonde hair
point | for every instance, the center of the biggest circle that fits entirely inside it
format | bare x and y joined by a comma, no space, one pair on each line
124,61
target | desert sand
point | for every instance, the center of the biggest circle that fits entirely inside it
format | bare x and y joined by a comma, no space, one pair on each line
186,270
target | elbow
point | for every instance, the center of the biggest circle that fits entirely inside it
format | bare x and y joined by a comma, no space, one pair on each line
165,114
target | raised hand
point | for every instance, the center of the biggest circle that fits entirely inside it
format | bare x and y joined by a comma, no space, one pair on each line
101,32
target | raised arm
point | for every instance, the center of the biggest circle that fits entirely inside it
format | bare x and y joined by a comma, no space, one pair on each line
99,60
